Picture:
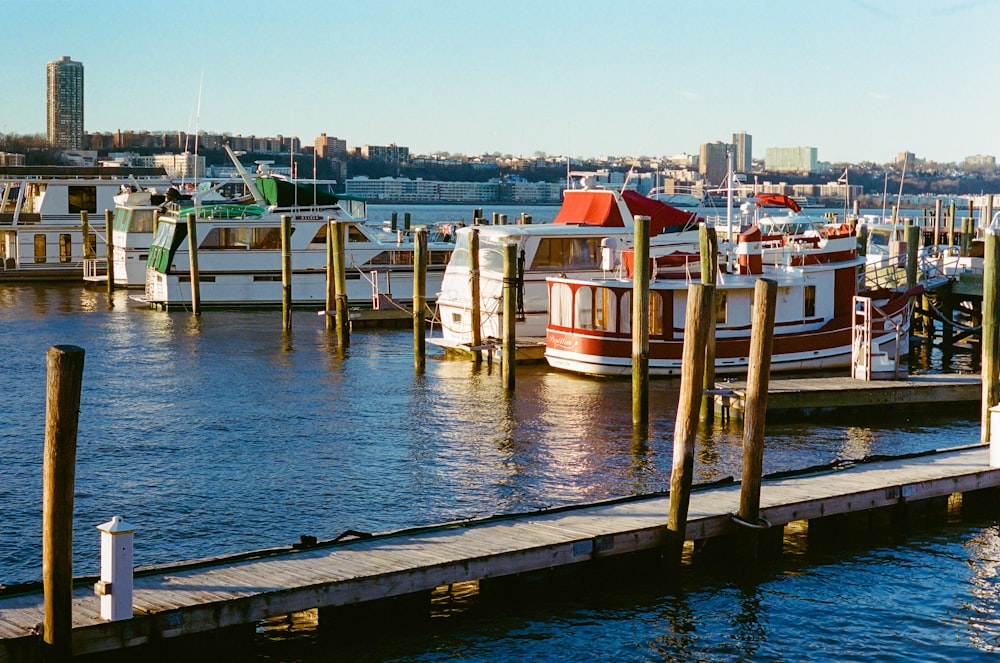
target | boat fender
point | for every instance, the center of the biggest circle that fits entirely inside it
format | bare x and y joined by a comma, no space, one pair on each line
609,254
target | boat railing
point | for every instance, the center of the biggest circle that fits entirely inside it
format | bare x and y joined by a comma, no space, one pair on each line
94,267
886,274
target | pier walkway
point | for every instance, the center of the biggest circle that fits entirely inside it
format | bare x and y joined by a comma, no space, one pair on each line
226,592
809,395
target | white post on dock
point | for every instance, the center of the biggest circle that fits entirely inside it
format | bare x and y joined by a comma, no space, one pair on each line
115,585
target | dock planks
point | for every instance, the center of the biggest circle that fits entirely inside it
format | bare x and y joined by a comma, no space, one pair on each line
831,393
180,601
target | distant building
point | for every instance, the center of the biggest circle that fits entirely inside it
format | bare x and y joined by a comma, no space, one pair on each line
712,162
905,157
386,153
11,159
330,147
65,103
981,162
743,159
181,165
791,160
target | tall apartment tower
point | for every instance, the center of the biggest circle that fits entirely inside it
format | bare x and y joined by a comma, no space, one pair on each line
713,162
743,162
65,103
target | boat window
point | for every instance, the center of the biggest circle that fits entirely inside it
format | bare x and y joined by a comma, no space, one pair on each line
142,221
558,253
40,247
355,235
90,248
721,307
266,239
460,255
82,199
595,308
65,247
809,301
655,314
625,313
121,219
226,239
560,305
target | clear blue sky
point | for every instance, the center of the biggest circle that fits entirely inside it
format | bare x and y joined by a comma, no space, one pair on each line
861,80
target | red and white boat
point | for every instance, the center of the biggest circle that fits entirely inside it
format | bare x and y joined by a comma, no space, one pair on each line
817,270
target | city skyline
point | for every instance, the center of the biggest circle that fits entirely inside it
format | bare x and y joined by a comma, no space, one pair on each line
860,81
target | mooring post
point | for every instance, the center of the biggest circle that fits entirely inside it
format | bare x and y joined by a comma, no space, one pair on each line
115,585
406,220
709,247
758,376
419,298
394,224
62,408
474,310
192,227
988,212
508,361
286,272
110,252
990,341
699,308
640,322
937,221
951,223
340,278
85,228
331,279
912,251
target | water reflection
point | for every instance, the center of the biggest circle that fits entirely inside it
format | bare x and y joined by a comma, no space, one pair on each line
984,562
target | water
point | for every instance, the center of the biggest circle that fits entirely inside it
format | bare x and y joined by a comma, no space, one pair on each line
220,434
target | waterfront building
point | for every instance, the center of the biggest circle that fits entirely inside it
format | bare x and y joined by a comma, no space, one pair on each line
712,162
743,160
11,159
65,103
184,165
981,162
791,160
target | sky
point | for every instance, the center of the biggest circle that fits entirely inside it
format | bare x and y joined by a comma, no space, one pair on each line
860,80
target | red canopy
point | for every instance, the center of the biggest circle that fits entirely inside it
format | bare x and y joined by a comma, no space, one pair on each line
661,215
776,199
599,207
592,207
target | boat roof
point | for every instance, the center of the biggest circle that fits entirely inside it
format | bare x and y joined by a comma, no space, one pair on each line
603,208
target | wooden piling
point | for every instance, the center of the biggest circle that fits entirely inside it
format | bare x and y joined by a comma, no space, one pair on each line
509,315
951,223
709,247
988,212
85,227
758,376
912,251
331,278
640,322
406,220
110,252
699,307
394,224
937,221
476,322
192,227
65,380
990,334
286,272
340,278
965,247
419,299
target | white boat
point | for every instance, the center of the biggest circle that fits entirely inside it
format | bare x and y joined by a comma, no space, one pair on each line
239,251
41,232
583,240
817,310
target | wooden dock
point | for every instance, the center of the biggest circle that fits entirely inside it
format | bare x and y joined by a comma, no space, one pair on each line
811,395
230,592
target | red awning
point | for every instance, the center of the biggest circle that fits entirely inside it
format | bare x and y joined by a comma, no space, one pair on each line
590,207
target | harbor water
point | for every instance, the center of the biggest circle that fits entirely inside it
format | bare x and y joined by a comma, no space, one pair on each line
221,434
